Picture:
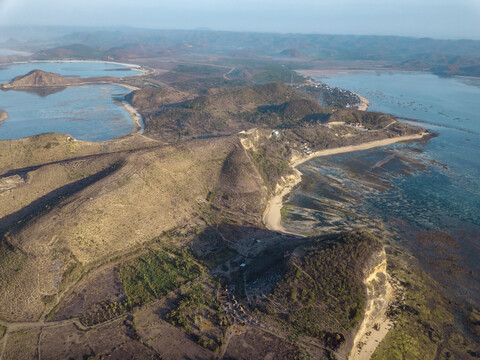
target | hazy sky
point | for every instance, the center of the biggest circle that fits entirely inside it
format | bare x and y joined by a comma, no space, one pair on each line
420,18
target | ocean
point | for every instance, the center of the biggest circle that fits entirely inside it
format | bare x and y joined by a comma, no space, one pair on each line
423,187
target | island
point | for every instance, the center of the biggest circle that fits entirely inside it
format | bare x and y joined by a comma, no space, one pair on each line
3,115
39,79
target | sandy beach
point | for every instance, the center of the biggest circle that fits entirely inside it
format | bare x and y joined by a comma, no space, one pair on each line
272,216
364,103
136,117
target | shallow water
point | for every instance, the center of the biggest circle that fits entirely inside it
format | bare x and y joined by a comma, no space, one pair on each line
412,187
448,106
86,112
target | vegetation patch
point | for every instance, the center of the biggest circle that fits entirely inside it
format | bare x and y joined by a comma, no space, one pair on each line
271,161
200,314
156,273
11,262
284,212
322,295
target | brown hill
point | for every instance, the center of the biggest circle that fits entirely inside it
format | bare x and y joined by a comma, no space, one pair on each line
39,78
3,115
226,112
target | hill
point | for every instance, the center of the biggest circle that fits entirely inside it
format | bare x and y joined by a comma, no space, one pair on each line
39,78
71,51
3,115
226,112
291,53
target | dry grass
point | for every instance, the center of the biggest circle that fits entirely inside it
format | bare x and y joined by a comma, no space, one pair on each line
22,345
153,191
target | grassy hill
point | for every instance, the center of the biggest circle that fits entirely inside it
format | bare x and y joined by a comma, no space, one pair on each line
227,111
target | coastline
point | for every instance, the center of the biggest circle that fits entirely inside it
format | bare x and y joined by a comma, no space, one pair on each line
272,217
139,125
375,325
309,75
364,102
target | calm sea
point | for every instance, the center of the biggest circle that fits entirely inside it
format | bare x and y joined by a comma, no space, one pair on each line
421,186
86,112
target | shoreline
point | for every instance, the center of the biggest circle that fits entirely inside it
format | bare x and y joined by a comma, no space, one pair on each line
364,102
272,219
139,125
272,216
309,75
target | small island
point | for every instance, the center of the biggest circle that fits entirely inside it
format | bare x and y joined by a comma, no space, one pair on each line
3,115
39,78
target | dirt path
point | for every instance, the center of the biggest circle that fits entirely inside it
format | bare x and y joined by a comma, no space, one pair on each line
225,75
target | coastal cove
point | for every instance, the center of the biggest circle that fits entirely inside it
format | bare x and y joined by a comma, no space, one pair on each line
88,112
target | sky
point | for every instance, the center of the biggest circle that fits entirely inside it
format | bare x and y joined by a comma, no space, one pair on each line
443,19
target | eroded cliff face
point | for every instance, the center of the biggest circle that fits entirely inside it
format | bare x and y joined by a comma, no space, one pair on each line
375,323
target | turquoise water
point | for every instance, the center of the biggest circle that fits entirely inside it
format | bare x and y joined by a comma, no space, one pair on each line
86,112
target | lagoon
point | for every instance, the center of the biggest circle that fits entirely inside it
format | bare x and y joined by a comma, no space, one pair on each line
86,112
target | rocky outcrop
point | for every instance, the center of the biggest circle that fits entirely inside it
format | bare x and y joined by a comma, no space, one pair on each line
39,78
3,115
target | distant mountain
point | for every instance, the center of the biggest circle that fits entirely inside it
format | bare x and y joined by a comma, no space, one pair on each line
291,53
389,51
75,51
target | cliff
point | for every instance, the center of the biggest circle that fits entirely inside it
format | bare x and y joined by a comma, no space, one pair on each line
375,323
39,78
